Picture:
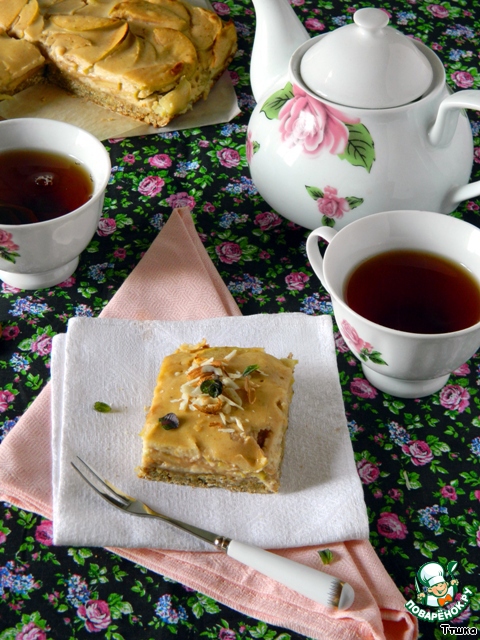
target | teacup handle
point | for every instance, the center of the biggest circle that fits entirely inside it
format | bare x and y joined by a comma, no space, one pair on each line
313,251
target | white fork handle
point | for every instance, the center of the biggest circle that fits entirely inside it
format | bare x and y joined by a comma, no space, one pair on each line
313,584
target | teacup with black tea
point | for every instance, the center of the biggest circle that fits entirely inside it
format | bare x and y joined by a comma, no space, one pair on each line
38,185
53,177
405,291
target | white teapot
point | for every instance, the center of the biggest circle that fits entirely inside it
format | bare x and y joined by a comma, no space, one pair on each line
353,122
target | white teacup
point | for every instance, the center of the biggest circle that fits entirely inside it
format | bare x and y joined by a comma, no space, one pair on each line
403,364
43,254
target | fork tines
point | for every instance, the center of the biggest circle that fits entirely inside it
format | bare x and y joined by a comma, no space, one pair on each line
112,496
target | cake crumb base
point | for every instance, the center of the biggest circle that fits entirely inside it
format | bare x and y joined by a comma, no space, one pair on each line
209,480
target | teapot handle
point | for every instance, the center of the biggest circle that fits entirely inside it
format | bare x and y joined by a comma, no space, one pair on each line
313,251
441,134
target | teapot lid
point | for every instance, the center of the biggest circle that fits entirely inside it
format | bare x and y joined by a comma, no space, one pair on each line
366,64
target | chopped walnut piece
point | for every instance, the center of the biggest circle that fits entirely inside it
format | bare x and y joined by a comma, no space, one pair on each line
203,377
214,407
194,373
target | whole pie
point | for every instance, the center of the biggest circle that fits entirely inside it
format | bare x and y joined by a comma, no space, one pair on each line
147,59
218,418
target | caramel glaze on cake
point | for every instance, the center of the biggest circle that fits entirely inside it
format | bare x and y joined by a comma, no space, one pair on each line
147,59
21,65
218,419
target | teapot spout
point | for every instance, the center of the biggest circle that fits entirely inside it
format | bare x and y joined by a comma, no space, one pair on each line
278,33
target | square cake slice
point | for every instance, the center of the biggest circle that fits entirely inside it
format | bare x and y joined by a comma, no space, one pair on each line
218,418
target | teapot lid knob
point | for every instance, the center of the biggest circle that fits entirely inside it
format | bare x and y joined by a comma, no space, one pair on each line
371,18
366,64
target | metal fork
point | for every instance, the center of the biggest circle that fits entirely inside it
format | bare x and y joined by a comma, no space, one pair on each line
313,584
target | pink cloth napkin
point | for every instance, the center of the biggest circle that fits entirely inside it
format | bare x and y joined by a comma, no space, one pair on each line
176,280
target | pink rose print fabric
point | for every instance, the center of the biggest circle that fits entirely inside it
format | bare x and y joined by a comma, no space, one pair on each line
454,397
390,526
151,186
419,452
96,614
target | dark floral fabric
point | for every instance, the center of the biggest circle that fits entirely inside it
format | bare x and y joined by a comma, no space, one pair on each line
418,460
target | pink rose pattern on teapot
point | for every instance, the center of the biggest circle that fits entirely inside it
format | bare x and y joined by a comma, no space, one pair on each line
331,205
313,127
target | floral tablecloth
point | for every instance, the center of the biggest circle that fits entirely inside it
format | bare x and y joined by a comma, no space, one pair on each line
419,460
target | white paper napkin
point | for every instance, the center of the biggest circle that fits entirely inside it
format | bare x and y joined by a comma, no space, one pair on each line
117,361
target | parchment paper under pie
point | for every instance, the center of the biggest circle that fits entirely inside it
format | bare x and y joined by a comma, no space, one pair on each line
48,101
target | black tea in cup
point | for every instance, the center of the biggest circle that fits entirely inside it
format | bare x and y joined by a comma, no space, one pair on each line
414,291
40,185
